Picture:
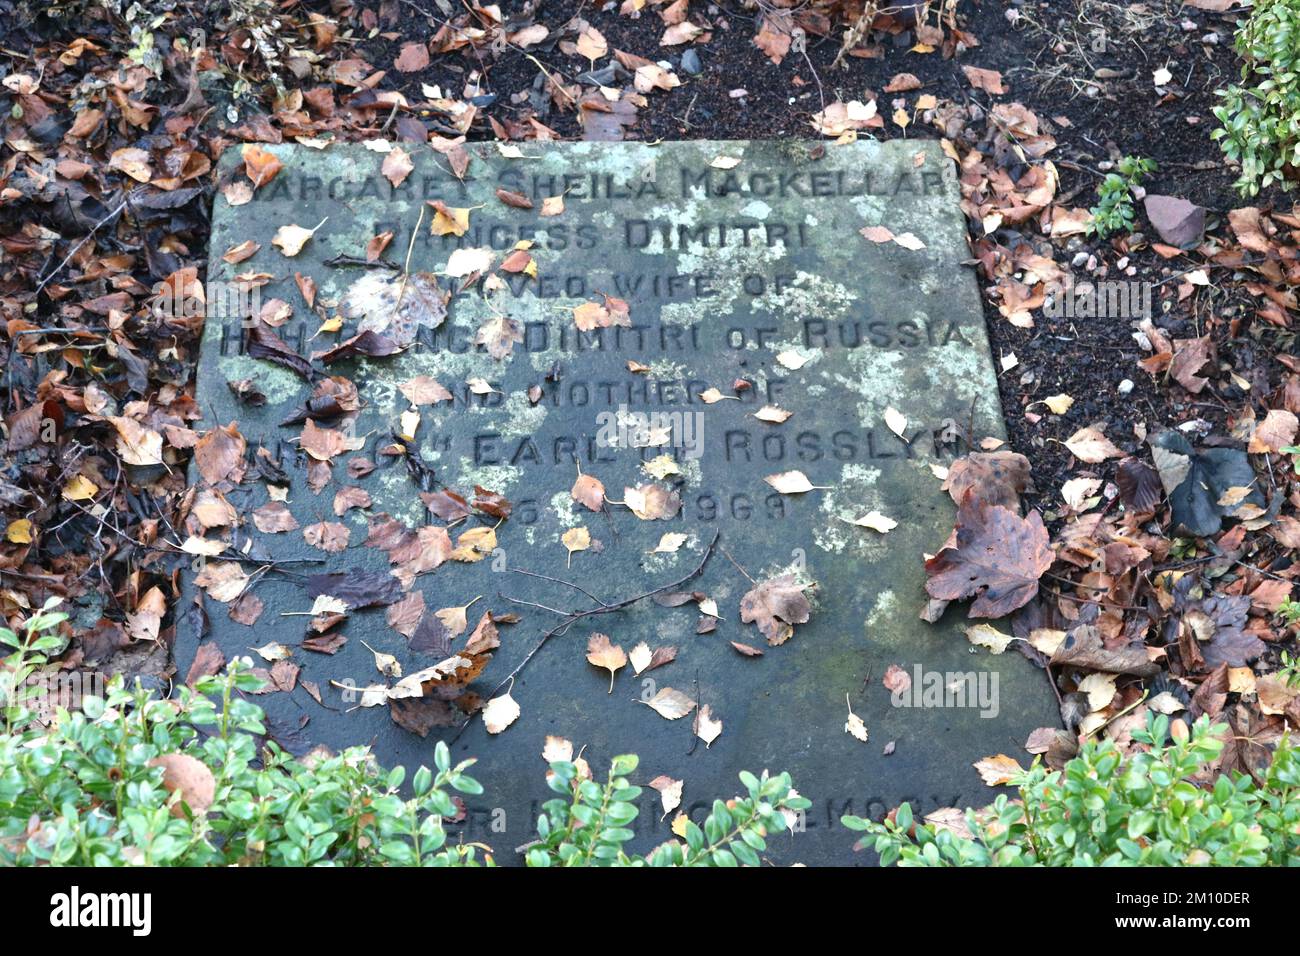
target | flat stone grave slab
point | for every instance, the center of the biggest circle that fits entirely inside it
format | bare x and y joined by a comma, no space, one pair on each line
692,266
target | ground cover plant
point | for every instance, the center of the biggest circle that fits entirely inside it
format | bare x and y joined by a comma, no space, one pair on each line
132,779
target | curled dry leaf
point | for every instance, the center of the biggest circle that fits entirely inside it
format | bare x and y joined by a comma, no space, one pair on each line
329,536
455,619
670,704
896,680
241,251
137,444
212,510
772,414
897,422
514,199
639,657
274,517
291,238
575,539
670,792
997,478
223,581
876,522
274,652
643,659
423,390
839,117
791,359
500,713
792,483
601,652
1100,689
557,748
670,543
990,81
260,165
707,727
854,725
588,490
650,502
1276,431
903,83
498,334
678,33
143,623
1078,491
491,503
999,770
652,76
776,606
986,635
448,220
189,780
386,664
1091,446
474,545
397,166
80,488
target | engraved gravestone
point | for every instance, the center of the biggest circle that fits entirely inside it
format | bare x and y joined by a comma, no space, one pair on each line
735,262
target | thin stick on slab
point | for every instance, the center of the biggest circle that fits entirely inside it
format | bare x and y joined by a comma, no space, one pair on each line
574,616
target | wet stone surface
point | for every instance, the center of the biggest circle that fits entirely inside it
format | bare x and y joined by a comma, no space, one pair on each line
722,269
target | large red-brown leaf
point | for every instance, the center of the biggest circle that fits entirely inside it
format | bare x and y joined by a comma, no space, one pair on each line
219,454
997,477
776,606
998,556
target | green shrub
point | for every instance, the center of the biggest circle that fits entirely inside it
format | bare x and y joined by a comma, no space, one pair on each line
588,825
1114,210
1294,452
1261,115
1105,809
89,790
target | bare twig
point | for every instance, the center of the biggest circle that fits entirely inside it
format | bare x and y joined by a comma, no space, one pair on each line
574,617
117,210
342,260
567,584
